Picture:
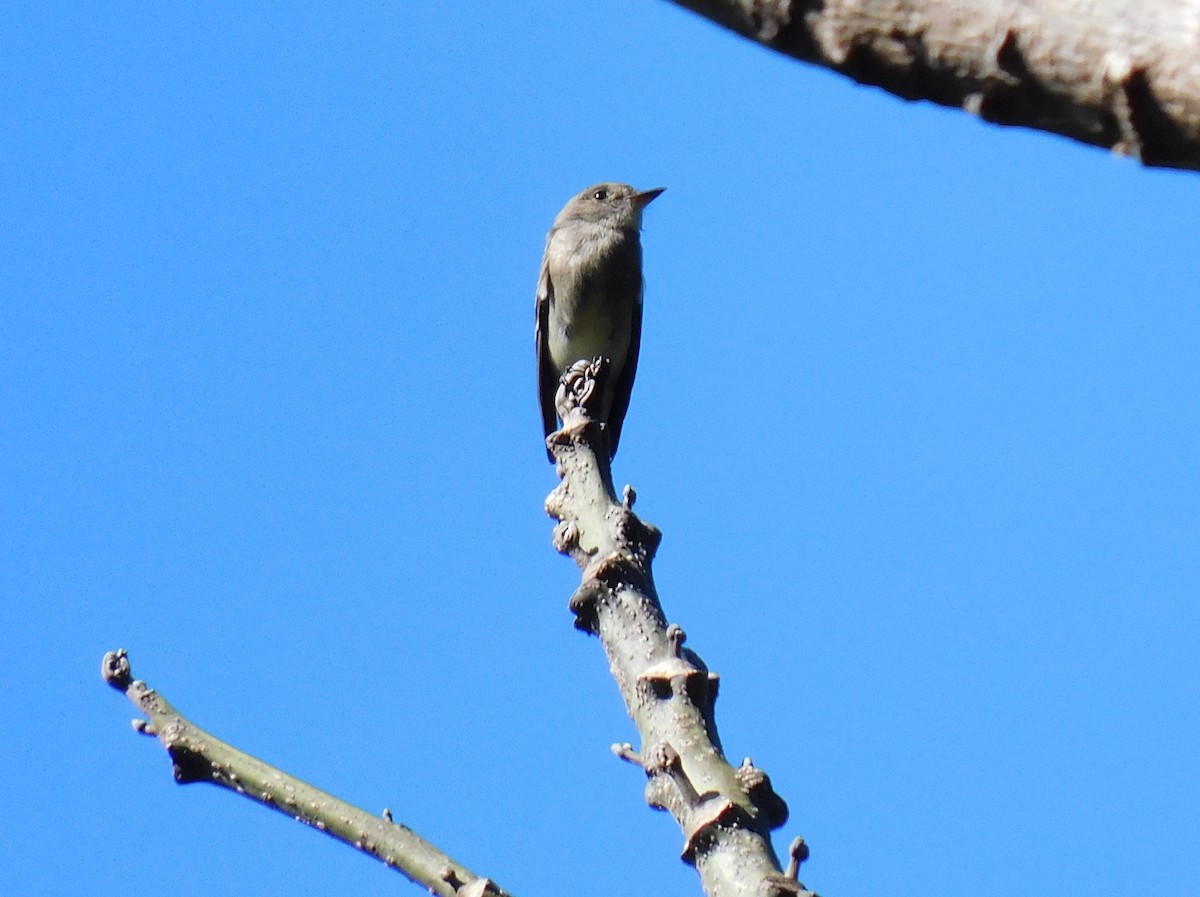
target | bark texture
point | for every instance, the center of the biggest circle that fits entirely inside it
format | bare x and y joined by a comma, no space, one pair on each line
1113,73
726,813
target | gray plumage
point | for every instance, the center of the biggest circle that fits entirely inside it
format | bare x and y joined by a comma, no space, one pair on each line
589,296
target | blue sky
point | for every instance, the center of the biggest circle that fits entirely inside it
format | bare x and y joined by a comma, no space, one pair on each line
917,412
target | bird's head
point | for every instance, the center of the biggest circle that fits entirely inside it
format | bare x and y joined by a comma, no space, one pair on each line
617,205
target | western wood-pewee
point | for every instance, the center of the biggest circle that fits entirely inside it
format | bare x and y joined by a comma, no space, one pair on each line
589,297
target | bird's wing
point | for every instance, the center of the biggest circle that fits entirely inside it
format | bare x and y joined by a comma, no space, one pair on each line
623,388
546,374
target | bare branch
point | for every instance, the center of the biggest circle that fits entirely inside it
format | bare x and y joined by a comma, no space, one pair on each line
199,757
726,814
1113,73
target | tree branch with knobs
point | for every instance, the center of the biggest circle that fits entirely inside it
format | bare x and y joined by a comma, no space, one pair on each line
589,296
726,813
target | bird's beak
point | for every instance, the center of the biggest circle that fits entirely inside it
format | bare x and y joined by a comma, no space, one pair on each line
643,199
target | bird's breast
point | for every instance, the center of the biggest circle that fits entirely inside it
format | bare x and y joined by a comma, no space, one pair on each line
596,278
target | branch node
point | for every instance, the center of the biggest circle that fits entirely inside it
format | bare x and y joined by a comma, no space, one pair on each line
557,499
700,815
628,497
641,538
579,388
658,683
565,537
676,637
189,767
143,727
115,669
473,887
757,785
678,677
665,759
613,570
797,854
584,604
625,751
703,820
662,758
577,402
669,785
387,814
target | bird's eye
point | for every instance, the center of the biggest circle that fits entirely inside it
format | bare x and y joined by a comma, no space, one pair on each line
600,195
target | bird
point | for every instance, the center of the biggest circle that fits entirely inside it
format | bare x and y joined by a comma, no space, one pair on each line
589,297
